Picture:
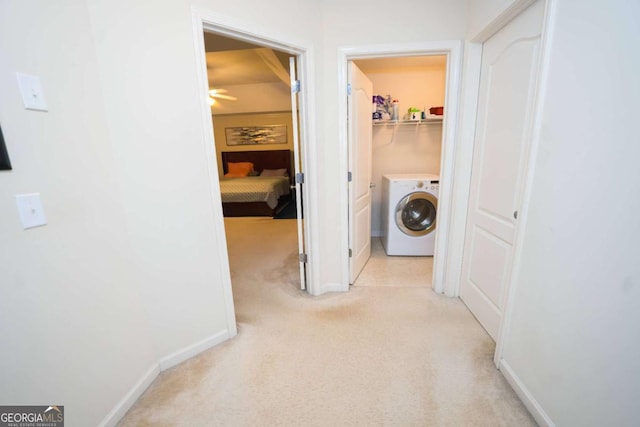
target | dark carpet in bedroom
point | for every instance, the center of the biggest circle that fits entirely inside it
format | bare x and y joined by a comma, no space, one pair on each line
288,211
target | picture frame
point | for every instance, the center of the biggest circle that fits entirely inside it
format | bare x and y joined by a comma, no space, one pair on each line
5,163
256,135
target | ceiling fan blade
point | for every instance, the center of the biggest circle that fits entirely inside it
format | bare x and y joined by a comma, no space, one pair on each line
217,91
230,98
217,94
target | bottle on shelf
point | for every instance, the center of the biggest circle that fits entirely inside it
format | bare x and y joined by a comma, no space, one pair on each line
395,107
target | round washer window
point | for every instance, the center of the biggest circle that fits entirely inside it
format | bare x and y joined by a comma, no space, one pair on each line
416,214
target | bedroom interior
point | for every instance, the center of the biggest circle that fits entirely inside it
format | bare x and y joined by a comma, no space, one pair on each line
253,134
252,126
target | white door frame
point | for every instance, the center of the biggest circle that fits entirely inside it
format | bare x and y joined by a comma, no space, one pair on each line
206,20
453,50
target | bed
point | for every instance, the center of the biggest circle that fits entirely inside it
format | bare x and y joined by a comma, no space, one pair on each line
257,195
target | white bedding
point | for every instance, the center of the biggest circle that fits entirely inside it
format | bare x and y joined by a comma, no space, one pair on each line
254,189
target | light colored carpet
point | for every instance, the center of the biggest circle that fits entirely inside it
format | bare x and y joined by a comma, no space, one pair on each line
375,356
383,270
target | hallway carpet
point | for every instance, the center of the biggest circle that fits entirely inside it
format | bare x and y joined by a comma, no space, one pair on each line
375,356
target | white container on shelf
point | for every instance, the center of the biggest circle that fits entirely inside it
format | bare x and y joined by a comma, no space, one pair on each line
395,106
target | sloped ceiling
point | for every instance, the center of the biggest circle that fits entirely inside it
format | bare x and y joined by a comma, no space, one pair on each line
234,62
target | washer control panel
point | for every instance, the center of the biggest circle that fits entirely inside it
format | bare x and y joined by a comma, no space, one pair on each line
428,185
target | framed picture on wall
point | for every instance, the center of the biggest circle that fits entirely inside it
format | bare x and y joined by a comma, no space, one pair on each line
256,135
5,163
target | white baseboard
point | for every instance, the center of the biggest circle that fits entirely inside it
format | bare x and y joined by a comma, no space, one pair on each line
333,287
130,398
188,352
527,398
167,362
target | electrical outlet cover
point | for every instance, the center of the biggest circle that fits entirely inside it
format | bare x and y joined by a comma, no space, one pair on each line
30,210
32,93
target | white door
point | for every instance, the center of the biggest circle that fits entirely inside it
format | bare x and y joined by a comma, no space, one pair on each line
297,165
505,106
360,129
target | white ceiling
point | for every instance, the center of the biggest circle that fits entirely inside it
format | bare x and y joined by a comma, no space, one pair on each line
238,67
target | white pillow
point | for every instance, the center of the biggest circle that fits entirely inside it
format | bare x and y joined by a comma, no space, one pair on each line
274,172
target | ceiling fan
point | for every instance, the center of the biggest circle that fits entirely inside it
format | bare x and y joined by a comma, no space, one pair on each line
219,93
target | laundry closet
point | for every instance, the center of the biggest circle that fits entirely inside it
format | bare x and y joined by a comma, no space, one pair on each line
412,144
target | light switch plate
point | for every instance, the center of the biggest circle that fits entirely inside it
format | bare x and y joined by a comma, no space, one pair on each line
32,93
30,210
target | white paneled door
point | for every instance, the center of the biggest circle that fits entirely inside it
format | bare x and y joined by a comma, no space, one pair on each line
501,149
360,134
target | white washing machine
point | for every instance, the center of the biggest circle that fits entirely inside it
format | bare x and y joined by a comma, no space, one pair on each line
409,208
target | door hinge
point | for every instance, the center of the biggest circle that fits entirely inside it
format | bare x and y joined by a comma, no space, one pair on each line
302,257
349,176
350,253
348,89
299,178
295,87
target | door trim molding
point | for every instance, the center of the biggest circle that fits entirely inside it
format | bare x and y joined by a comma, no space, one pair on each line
202,20
446,202
506,16
470,87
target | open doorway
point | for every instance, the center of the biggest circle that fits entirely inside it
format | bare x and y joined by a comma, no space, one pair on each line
406,110
256,143
443,184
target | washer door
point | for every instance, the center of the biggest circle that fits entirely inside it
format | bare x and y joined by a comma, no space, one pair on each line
416,214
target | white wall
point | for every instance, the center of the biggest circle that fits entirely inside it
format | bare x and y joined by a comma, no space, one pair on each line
73,328
422,88
148,80
574,340
481,12
406,148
